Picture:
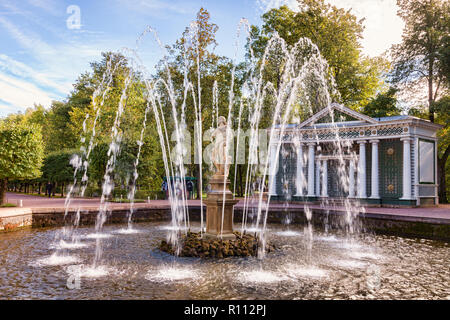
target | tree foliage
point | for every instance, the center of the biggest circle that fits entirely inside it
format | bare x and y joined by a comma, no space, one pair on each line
337,34
422,65
57,166
422,56
442,109
21,153
385,104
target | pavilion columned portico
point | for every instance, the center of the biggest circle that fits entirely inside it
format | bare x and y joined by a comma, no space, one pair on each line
380,161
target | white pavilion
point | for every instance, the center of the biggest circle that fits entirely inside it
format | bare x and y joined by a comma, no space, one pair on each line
380,161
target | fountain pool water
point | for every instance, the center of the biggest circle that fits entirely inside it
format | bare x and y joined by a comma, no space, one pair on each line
375,267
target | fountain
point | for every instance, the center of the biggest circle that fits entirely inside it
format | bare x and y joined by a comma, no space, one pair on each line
304,77
220,201
219,240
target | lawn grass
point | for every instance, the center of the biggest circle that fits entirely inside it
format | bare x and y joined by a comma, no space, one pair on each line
118,200
8,205
42,194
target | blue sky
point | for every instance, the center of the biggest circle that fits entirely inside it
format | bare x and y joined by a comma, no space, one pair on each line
41,57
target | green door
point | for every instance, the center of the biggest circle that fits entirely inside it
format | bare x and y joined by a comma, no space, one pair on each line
391,167
287,171
335,184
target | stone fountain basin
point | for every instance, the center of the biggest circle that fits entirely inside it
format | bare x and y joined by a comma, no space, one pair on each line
370,267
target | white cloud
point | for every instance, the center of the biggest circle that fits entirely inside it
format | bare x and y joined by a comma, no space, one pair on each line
55,67
49,6
38,21
20,94
6,108
266,5
23,71
29,40
159,7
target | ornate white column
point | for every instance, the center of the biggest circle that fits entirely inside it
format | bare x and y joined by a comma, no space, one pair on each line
406,168
311,169
324,178
362,193
273,169
351,179
300,178
375,185
317,178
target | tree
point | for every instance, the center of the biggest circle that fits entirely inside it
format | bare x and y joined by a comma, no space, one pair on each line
442,109
193,53
422,60
58,134
419,57
57,168
103,113
383,105
337,34
21,153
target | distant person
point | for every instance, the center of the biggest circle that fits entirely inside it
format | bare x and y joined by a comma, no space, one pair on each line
190,189
49,188
164,189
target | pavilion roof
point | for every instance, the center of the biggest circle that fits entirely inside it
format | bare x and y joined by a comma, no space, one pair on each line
361,119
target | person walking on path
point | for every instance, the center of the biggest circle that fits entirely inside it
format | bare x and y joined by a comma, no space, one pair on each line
49,188
190,189
164,189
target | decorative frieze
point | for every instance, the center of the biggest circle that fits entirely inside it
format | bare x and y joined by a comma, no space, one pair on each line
344,133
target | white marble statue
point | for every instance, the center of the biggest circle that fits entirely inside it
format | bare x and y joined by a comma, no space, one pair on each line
219,155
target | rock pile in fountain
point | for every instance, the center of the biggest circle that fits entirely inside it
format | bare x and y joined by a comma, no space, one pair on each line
194,245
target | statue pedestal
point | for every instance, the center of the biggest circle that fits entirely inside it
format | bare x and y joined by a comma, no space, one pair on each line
216,207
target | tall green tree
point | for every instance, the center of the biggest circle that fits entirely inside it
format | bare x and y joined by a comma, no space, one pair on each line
57,168
337,34
442,109
419,58
58,134
422,60
103,112
21,153
194,54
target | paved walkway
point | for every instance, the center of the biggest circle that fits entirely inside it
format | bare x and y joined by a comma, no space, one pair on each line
442,212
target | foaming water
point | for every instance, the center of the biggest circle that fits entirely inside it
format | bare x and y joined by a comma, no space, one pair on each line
57,260
327,238
305,271
171,228
288,233
172,273
261,276
89,271
128,231
98,235
252,230
365,255
350,264
69,245
351,245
